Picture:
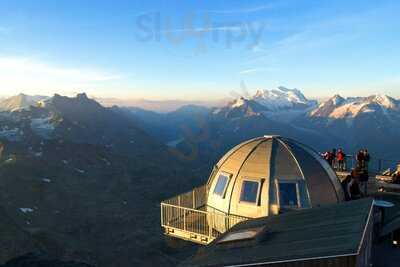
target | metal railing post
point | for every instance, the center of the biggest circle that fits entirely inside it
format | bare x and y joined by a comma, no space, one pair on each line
210,224
161,214
194,199
184,219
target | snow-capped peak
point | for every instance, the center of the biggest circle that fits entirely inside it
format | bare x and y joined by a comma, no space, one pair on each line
338,107
281,98
20,102
385,101
337,100
238,102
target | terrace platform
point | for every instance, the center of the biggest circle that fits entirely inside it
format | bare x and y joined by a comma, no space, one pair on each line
188,217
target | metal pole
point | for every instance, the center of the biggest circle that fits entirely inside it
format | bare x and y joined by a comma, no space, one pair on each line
161,214
194,199
184,219
210,223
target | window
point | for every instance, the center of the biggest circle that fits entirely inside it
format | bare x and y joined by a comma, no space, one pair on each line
221,184
249,191
288,194
241,235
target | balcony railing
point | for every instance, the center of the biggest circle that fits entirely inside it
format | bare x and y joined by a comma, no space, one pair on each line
188,217
376,165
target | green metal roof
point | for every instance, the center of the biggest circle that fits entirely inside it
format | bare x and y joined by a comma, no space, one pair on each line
329,231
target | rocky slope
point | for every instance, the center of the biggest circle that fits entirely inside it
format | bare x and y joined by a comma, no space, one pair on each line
87,189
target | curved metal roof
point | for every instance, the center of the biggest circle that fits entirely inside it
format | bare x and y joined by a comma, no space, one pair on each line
282,158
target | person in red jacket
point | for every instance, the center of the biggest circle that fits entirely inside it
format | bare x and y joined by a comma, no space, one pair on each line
341,160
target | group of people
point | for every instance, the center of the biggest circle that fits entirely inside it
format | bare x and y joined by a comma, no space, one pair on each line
356,183
336,158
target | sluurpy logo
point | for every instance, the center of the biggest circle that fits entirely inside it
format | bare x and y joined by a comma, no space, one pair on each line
202,28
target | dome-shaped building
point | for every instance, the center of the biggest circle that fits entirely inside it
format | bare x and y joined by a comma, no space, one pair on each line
269,175
264,176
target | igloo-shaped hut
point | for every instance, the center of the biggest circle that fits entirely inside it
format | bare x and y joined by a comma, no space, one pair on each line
264,176
271,174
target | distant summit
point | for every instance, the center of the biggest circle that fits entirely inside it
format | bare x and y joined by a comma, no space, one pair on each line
281,104
281,98
339,108
241,107
20,102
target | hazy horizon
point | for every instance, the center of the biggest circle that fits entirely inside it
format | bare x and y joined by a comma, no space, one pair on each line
228,94
233,94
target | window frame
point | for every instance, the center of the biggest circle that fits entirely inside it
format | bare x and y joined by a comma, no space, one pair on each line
258,181
235,236
278,193
226,184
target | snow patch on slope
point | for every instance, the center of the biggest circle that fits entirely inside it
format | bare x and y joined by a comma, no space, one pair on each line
26,210
14,134
348,110
43,127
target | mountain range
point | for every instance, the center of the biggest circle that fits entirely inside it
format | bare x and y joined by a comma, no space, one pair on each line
352,123
82,182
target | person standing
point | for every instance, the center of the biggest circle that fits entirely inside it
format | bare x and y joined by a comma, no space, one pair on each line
364,176
341,157
353,187
328,157
346,187
360,159
367,158
334,162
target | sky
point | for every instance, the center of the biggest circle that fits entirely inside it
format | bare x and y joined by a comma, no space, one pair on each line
199,49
